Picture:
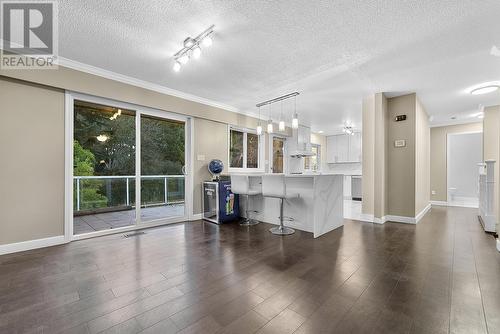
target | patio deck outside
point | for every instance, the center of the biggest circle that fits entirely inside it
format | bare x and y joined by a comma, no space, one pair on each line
162,197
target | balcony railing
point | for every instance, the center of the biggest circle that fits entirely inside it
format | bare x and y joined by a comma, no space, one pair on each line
105,192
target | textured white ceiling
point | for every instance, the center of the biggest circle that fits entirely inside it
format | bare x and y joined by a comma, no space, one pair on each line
333,52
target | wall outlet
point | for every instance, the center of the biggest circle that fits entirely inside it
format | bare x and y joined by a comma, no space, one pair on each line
433,192
200,157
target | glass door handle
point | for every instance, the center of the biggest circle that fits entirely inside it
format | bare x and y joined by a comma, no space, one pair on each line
183,170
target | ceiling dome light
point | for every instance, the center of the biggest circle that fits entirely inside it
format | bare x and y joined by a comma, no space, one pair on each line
207,41
177,66
484,90
196,52
183,59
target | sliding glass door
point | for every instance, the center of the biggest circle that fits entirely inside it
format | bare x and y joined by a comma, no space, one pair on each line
103,167
118,150
162,168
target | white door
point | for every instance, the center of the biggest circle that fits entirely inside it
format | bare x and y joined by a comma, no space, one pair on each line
464,153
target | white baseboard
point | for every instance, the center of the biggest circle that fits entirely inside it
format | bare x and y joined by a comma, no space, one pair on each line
439,203
403,219
457,204
31,244
197,216
422,213
366,218
400,219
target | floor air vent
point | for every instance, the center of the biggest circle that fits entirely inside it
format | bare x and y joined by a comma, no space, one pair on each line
133,234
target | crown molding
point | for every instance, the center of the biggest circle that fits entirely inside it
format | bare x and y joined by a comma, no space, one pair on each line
455,122
75,65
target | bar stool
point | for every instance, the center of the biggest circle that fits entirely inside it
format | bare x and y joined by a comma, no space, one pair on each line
240,184
275,186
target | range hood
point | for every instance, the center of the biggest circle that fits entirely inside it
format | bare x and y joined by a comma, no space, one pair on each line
299,145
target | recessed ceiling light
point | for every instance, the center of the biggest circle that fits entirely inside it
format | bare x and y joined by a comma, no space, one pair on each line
321,131
484,89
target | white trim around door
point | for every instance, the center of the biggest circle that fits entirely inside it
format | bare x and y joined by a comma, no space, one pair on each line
70,97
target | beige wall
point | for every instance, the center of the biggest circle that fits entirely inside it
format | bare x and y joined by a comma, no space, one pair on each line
401,160
438,177
374,181
210,140
422,163
72,80
40,120
368,155
32,151
491,146
381,120
395,180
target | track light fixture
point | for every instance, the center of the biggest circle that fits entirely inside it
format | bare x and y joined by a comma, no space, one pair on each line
270,122
259,126
281,124
192,48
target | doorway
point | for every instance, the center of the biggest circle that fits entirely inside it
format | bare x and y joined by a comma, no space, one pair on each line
277,151
464,153
120,155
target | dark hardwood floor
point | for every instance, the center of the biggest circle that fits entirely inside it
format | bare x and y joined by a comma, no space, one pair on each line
441,276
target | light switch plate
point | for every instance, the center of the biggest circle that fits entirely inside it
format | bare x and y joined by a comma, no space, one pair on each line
201,157
400,143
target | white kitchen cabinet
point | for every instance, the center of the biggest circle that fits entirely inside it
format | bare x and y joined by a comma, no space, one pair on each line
331,149
344,148
347,186
355,147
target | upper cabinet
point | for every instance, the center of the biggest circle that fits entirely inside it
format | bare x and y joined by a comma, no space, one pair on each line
344,148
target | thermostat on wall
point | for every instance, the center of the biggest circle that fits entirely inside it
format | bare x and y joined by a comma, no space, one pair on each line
400,118
400,143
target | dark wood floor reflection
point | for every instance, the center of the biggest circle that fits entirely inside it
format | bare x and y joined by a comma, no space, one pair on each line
441,276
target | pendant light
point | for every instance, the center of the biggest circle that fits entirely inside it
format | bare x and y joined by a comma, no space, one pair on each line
259,126
295,119
270,122
281,125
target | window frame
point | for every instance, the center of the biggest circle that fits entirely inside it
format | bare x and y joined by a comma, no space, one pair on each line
260,153
318,159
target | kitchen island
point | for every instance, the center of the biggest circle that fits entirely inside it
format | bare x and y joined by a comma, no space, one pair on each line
319,209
